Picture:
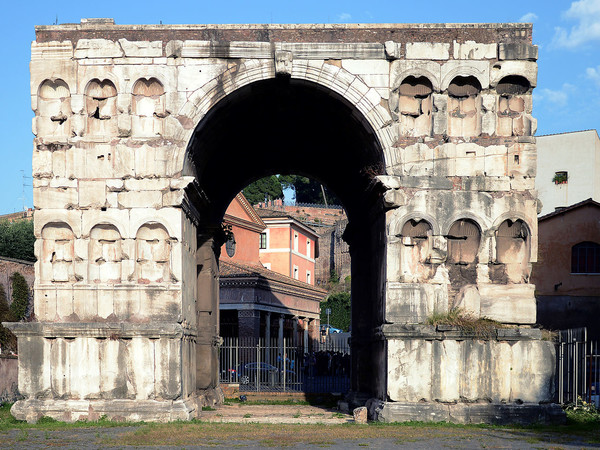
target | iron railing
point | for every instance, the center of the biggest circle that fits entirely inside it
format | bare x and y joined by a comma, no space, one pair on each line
279,366
578,368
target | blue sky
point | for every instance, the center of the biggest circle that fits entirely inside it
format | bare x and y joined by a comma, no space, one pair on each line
567,97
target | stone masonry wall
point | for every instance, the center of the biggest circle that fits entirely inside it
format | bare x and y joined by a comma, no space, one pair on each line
115,108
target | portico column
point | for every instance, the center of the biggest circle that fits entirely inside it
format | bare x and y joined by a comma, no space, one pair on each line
305,333
295,331
280,332
268,336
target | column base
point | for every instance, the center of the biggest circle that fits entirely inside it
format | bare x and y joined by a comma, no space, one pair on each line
467,413
31,410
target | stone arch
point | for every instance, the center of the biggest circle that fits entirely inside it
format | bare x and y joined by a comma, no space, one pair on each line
415,106
513,250
148,107
516,215
464,241
105,254
422,70
152,254
398,223
54,108
465,70
58,253
101,107
483,223
512,106
366,100
314,123
464,106
502,69
160,217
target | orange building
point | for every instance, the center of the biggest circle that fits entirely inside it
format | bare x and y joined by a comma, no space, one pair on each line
288,246
567,274
260,303
246,226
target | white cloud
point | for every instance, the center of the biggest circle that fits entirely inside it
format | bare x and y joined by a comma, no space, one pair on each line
587,15
529,17
593,73
557,97
344,17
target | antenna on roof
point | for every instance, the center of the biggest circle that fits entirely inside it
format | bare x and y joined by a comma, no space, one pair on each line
23,189
56,21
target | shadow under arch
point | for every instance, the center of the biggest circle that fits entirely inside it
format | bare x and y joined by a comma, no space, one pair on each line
284,125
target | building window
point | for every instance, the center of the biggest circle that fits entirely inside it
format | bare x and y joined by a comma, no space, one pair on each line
308,276
308,248
585,258
561,177
230,246
295,272
263,240
295,242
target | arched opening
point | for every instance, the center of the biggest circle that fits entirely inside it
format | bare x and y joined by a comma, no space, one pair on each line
284,125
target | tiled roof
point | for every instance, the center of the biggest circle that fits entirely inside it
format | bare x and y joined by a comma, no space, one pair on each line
233,269
269,213
558,212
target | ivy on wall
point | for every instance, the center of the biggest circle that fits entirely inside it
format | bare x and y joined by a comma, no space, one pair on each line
8,341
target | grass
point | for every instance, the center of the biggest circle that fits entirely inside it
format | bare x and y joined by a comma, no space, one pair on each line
457,317
582,428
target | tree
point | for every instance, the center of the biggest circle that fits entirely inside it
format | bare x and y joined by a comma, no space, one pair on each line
17,240
271,186
339,303
8,340
20,296
308,190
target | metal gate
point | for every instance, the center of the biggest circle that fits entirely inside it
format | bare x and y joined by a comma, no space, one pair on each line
578,361
282,367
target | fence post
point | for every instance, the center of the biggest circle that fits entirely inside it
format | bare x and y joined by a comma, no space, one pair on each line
258,367
284,364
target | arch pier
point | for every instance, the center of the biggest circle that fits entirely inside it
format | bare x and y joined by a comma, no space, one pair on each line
144,134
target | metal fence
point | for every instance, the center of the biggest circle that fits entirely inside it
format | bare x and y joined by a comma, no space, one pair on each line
578,361
278,366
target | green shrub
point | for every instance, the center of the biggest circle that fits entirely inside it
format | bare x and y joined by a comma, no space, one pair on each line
20,296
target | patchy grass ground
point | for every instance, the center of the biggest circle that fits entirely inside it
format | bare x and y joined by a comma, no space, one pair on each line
582,430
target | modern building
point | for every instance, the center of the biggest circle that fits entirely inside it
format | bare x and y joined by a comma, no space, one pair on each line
567,274
568,169
329,222
256,302
288,246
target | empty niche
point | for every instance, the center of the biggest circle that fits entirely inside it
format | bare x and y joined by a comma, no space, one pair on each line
464,105
56,263
153,254
416,250
54,108
148,107
105,255
415,106
511,106
101,108
513,248
464,238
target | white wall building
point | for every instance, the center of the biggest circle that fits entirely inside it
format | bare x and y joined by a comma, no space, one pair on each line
568,169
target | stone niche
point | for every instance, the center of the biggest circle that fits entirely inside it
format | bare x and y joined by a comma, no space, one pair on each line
126,290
